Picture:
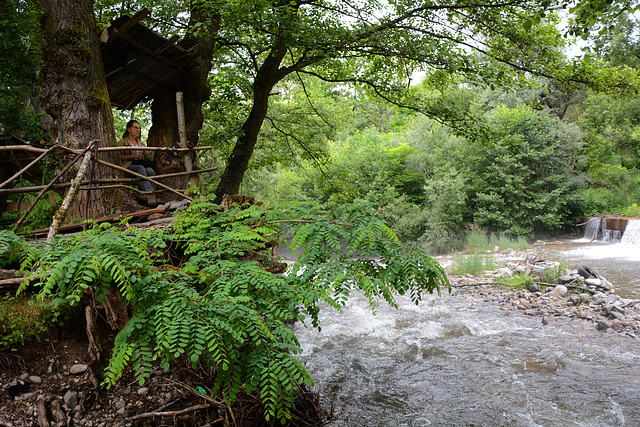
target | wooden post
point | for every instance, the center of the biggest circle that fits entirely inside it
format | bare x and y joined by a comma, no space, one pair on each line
86,206
59,216
182,131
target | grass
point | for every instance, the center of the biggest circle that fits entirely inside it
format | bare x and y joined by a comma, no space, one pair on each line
517,281
474,264
550,275
479,240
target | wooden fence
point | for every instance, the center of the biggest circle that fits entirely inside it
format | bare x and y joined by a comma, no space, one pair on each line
84,180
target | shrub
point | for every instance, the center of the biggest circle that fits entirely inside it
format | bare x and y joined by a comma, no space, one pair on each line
517,281
477,241
632,211
12,247
524,181
503,242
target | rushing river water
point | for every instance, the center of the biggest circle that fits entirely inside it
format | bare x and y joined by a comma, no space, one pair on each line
463,361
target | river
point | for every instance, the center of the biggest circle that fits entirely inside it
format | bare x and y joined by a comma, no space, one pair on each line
463,361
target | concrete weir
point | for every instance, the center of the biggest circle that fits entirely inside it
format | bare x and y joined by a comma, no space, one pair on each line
605,228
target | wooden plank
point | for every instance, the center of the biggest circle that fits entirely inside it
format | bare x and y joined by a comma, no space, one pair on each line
17,206
143,13
110,218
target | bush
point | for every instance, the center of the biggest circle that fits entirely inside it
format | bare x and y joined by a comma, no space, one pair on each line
524,181
478,240
12,247
632,211
518,281
227,306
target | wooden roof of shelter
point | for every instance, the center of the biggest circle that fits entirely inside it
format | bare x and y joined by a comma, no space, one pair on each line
140,64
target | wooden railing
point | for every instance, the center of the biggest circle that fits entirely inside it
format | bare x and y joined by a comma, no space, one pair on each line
80,183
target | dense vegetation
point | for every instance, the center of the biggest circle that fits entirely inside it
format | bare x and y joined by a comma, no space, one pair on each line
509,137
222,301
535,174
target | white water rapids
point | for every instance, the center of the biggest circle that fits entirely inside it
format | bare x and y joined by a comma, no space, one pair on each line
462,361
459,361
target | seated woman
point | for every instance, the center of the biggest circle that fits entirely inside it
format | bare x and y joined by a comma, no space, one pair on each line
137,161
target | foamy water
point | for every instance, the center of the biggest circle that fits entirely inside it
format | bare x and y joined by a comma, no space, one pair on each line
463,361
597,250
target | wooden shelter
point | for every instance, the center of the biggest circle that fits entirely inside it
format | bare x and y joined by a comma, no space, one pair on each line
139,65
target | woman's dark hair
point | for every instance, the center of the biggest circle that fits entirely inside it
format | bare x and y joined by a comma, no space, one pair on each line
129,124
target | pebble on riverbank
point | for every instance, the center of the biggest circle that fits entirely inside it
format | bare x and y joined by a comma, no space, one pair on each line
571,295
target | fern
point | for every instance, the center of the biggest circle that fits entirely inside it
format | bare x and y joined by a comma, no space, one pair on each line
12,248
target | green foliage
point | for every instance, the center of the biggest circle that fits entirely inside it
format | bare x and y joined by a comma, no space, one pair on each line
22,318
225,307
632,211
523,180
550,275
42,215
477,241
19,43
517,281
12,248
612,158
94,262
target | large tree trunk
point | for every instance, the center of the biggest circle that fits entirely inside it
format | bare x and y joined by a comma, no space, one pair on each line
266,78
164,132
74,92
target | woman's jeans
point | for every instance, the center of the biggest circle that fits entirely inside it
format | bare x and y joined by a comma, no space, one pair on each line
144,171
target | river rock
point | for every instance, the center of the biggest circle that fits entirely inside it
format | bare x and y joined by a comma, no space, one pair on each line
538,269
574,299
34,379
504,272
593,282
565,278
559,291
617,325
585,297
599,298
71,399
603,325
78,369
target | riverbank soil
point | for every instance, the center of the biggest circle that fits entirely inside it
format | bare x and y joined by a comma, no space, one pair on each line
50,382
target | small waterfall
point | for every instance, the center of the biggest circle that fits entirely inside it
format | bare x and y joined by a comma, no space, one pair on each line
592,229
604,229
631,234
611,236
